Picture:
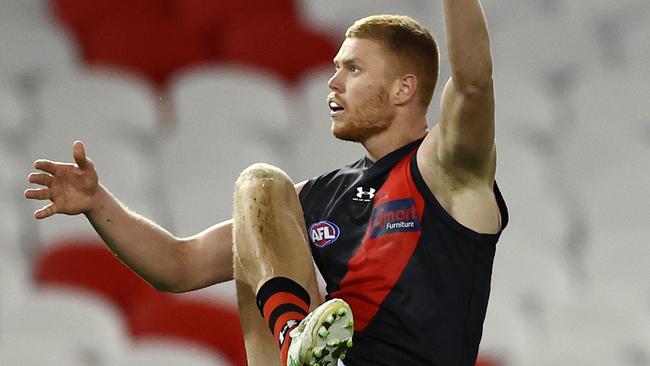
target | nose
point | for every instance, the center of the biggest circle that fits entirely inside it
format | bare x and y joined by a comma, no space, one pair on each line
335,84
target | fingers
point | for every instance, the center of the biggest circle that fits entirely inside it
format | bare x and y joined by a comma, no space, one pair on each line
42,194
38,193
45,165
43,179
79,154
45,212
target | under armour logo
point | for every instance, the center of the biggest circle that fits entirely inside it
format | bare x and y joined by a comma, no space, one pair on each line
365,195
290,324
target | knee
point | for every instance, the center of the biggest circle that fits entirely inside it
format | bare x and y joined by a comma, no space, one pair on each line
261,177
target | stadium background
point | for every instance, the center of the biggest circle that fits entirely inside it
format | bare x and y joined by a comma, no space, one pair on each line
174,97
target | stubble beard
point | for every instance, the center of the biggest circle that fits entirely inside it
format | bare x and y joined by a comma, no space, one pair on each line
367,119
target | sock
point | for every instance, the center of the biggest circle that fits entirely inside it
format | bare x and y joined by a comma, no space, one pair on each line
283,303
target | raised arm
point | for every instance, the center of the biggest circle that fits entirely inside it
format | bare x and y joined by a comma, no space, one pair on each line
465,135
168,263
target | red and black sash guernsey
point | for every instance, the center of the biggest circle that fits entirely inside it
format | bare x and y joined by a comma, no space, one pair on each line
417,280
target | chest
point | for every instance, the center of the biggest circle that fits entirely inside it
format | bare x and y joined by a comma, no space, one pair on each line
360,219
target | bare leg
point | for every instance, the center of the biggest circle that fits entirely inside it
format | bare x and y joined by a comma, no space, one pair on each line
270,240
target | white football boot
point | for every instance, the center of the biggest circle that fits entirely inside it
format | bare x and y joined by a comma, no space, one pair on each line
323,337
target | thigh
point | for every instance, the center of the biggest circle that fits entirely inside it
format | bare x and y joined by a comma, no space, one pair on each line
269,234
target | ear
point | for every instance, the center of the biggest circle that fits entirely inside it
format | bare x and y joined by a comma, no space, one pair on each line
405,89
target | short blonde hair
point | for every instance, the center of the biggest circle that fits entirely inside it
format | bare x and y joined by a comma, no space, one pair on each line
410,42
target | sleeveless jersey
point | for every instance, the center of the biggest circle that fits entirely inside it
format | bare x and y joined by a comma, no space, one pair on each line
416,279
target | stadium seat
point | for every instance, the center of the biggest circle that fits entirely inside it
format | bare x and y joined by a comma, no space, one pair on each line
617,261
22,50
281,46
596,333
82,16
486,361
116,117
606,151
90,267
510,13
527,182
24,12
317,151
206,323
15,284
209,19
65,319
535,279
11,172
152,47
38,352
12,113
524,110
508,337
624,12
148,352
335,16
226,120
11,244
15,217
636,49
545,48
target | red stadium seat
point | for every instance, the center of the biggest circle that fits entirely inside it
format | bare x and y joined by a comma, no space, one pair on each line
149,313
195,320
215,15
89,266
154,47
81,16
282,46
157,38
487,361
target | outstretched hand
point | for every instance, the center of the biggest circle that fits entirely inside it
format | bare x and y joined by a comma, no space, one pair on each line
71,188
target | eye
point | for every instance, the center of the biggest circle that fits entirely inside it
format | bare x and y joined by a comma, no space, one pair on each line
354,68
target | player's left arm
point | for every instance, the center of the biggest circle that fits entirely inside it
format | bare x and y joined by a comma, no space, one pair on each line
464,145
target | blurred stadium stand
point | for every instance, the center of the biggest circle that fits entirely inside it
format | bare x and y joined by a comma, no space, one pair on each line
174,98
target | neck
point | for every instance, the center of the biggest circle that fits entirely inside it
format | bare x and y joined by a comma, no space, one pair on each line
401,132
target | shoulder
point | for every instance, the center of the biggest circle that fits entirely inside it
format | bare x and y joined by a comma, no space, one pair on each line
330,178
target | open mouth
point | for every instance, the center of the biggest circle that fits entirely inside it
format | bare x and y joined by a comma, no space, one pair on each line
335,108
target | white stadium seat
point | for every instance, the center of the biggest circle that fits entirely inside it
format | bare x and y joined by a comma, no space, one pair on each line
25,12
523,108
227,119
41,52
150,352
11,244
596,333
618,259
544,48
15,286
12,114
13,136
606,151
335,16
38,352
55,319
527,183
115,116
535,279
636,47
508,337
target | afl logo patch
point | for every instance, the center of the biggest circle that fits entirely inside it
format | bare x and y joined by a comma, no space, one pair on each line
323,233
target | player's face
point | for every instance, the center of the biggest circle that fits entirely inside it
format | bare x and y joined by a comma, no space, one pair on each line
359,101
